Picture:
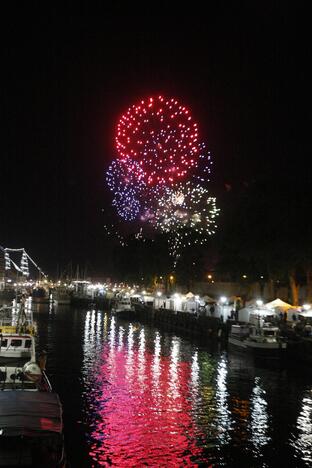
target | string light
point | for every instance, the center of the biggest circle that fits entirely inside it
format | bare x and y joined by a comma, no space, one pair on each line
24,268
24,264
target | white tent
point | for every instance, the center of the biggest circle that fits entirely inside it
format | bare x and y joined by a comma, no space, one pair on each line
189,295
263,312
306,313
279,304
245,314
208,299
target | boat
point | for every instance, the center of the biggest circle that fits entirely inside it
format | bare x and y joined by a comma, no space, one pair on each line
261,341
17,333
16,345
122,304
31,430
31,426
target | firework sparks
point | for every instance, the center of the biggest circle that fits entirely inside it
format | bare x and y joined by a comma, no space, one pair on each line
161,168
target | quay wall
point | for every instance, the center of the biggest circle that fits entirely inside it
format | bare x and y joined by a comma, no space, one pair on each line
205,327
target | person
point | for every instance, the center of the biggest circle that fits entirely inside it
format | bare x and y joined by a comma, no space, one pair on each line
294,317
42,360
285,316
232,314
212,310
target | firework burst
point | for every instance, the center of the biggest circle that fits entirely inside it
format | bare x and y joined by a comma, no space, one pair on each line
160,171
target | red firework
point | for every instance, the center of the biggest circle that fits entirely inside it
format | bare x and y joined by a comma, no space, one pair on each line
162,137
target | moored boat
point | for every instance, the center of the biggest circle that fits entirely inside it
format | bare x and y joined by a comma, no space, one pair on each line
17,333
31,426
122,304
262,341
31,430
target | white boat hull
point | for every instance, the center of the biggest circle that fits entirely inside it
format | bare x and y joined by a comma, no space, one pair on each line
15,354
119,310
265,346
257,350
241,344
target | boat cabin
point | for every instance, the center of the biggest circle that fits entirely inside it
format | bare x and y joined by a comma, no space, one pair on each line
240,331
267,333
15,345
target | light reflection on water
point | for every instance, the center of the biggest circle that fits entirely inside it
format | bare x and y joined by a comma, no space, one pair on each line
224,415
303,442
154,399
259,423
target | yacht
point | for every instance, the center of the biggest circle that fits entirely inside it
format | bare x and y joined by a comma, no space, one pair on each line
261,341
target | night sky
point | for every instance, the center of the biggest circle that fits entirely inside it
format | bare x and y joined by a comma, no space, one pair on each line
68,76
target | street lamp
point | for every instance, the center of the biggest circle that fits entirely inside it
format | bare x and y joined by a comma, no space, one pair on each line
171,282
259,302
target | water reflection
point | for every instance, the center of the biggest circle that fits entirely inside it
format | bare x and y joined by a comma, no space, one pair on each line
223,418
302,442
141,402
194,384
259,418
173,392
153,399
156,362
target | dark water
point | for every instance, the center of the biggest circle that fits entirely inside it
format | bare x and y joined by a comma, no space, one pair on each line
137,396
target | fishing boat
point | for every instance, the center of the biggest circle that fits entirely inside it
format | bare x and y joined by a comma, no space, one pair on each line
31,430
122,304
31,425
17,333
262,341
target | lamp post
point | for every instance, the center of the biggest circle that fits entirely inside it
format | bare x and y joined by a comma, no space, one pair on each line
171,282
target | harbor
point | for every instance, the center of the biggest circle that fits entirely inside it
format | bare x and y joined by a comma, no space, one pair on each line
208,377
155,241
187,402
